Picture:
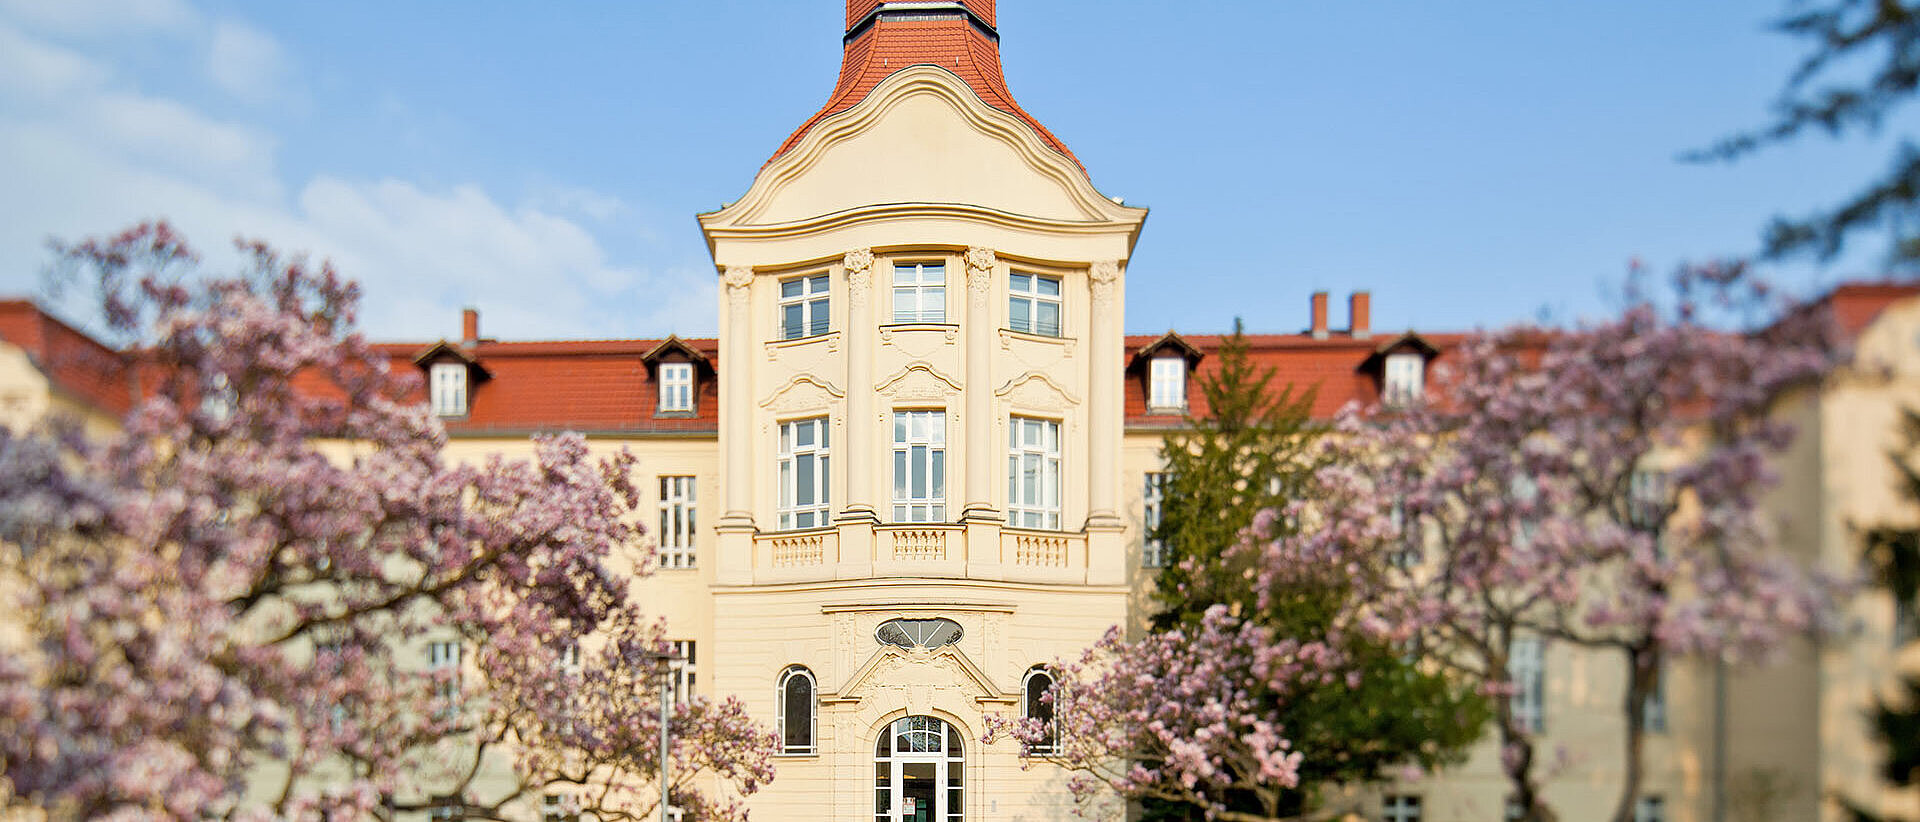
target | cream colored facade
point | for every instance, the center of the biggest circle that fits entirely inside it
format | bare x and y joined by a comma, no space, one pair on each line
922,171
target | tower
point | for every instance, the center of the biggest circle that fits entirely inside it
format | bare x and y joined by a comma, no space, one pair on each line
920,433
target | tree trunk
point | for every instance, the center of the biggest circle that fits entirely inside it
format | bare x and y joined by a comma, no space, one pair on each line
1516,760
1643,675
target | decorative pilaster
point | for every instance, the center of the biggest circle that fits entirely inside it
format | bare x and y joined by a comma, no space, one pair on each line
857,436
734,528
981,264
1106,550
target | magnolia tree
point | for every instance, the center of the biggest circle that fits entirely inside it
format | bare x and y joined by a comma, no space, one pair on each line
226,609
1177,716
1599,486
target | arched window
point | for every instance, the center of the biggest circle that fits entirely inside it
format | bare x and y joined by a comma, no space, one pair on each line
796,710
1037,705
919,772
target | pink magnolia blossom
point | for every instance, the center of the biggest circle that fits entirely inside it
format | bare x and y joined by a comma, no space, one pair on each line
222,620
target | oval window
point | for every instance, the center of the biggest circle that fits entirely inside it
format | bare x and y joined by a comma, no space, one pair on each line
918,633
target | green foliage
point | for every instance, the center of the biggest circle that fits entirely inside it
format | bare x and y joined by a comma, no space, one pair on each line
1893,555
1256,450
1252,451
1863,65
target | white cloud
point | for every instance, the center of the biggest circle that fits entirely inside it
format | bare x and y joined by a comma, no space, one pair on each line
244,61
43,71
95,17
97,157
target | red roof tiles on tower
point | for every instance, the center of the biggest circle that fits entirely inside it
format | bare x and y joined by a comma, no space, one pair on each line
886,37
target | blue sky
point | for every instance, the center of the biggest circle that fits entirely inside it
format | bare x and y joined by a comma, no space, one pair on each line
1472,164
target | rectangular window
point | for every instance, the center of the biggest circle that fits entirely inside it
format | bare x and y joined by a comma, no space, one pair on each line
1654,713
1400,808
1153,551
1033,304
1650,809
676,386
677,523
1033,474
556,808
446,809
1408,547
443,662
803,474
1526,666
1405,378
803,307
919,293
449,389
919,466
681,671
1167,384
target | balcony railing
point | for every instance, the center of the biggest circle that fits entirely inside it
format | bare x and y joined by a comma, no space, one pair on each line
936,550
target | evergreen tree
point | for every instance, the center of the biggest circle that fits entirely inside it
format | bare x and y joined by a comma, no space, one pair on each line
1893,554
1255,449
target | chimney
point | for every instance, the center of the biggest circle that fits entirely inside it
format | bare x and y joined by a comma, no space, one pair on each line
1360,309
469,326
1319,330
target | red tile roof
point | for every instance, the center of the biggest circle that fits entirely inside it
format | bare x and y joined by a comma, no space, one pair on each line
75,363
1854,306
952,42
594,386
1329,367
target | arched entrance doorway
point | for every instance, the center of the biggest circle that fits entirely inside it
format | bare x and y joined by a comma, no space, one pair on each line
918,772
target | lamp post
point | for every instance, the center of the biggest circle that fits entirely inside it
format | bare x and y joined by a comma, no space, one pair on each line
665,670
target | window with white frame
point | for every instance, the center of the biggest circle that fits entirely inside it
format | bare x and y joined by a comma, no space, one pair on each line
443,663
448,387
567,661
1399,807
682,670
1527,669
1167,383
919,466
1650,809
1407,549
677,522
1404,378
803,307
1033,304
1654,710
1153,497
1037,703
796,709
1033,473
919,292
1648,503
446,809
557,808
803,474
676,387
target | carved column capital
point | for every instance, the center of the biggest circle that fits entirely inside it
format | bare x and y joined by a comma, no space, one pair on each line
737,278
980,263
859,264
859,259
1104,274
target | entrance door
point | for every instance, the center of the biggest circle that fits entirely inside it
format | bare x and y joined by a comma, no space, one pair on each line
918,772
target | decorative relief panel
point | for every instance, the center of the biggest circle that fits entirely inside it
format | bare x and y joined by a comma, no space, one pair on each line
802,393
1104,274
919,382
1035,391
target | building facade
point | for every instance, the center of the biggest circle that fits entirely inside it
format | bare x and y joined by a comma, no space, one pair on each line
918,462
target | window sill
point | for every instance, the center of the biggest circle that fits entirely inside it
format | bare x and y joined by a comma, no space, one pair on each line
797,755
1166,410
682,414
1008,336
832,339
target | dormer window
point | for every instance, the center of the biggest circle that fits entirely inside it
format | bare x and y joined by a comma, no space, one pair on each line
1404,378
676,387
1167,383
448,386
